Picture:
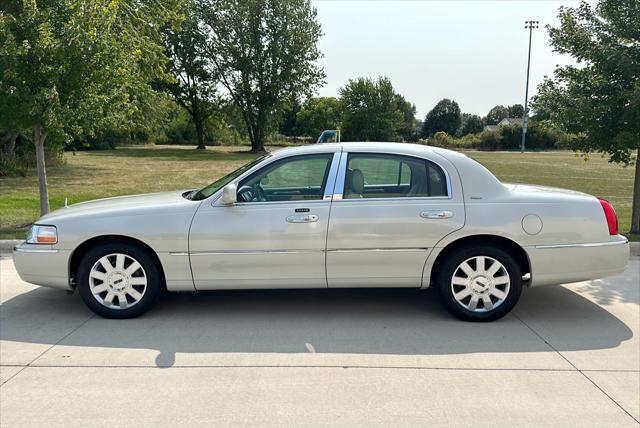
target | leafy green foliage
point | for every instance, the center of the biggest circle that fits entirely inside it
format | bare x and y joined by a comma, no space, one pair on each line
496,114
516,110
408,129
72,67
371,111
318,114
192,86
470,124
264,52
601,95
445,117
505,138
289,121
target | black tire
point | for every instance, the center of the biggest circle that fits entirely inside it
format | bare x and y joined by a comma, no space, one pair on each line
449,266
154,286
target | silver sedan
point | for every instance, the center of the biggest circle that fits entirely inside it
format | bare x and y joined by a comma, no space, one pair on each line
330,216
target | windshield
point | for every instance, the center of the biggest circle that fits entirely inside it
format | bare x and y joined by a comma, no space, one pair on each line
219,184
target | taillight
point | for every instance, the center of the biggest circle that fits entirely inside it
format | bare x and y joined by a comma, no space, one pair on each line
610,214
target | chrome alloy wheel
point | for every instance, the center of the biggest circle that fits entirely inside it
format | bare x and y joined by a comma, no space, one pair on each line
117,281
480,284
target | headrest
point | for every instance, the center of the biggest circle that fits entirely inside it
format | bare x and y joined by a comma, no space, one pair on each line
356,181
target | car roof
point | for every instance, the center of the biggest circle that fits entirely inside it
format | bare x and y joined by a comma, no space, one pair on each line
375,147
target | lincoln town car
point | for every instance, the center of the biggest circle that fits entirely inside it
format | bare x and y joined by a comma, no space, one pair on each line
331,215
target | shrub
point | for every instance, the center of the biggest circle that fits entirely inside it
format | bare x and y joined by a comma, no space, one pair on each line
539,137
441,139
489,140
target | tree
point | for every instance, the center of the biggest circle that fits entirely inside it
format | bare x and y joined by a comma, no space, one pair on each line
445,117
318,114
516,110
495,115
470,124
370,110
264,52
192,85
68,67
600,96
408,110
289,120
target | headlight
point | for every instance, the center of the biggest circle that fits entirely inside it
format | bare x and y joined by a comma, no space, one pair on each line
42,235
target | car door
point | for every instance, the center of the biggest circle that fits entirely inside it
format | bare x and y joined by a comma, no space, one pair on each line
388,212
275,235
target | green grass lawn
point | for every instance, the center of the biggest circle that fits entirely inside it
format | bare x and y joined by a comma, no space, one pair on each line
142,169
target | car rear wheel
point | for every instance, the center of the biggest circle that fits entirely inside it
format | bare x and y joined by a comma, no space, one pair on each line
479,283
119,280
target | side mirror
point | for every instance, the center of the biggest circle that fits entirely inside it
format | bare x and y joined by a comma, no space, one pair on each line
229,194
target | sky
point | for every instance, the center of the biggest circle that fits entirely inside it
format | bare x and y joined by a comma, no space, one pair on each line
474,52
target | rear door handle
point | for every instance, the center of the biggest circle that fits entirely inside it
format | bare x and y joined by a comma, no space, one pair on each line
303,218
436,214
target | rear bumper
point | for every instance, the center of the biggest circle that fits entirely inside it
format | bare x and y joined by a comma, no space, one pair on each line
564,263
42,265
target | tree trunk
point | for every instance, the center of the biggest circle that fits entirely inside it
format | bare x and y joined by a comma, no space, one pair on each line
635,210
200,132
38,140
257,143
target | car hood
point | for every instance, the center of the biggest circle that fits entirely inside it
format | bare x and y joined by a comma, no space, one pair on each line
128,204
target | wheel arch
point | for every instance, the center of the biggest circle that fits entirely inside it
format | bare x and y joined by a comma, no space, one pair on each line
512,247
80,250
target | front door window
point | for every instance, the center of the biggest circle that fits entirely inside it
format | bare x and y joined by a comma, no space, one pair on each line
299,178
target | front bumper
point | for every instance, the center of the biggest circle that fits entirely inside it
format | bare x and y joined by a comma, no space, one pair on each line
42,265
565,263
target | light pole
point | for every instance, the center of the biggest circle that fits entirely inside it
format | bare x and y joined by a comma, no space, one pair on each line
530,25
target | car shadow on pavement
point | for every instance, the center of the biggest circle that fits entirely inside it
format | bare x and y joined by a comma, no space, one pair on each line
621,289
371,321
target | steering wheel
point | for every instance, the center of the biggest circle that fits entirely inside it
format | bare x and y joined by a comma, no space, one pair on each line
259,193
253,193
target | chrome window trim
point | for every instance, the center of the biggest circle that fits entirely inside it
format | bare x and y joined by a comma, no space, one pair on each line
300,202
586,245
340,180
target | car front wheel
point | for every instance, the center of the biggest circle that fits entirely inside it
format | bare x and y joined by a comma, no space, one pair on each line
479,283
119,280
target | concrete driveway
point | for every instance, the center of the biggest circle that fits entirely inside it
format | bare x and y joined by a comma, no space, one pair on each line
567,356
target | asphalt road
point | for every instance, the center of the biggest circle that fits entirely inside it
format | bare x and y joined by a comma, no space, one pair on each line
567,356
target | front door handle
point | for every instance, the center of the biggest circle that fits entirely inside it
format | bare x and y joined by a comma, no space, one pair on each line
436,214
303,218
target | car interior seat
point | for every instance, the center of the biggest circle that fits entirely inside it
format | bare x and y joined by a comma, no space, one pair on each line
354,184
